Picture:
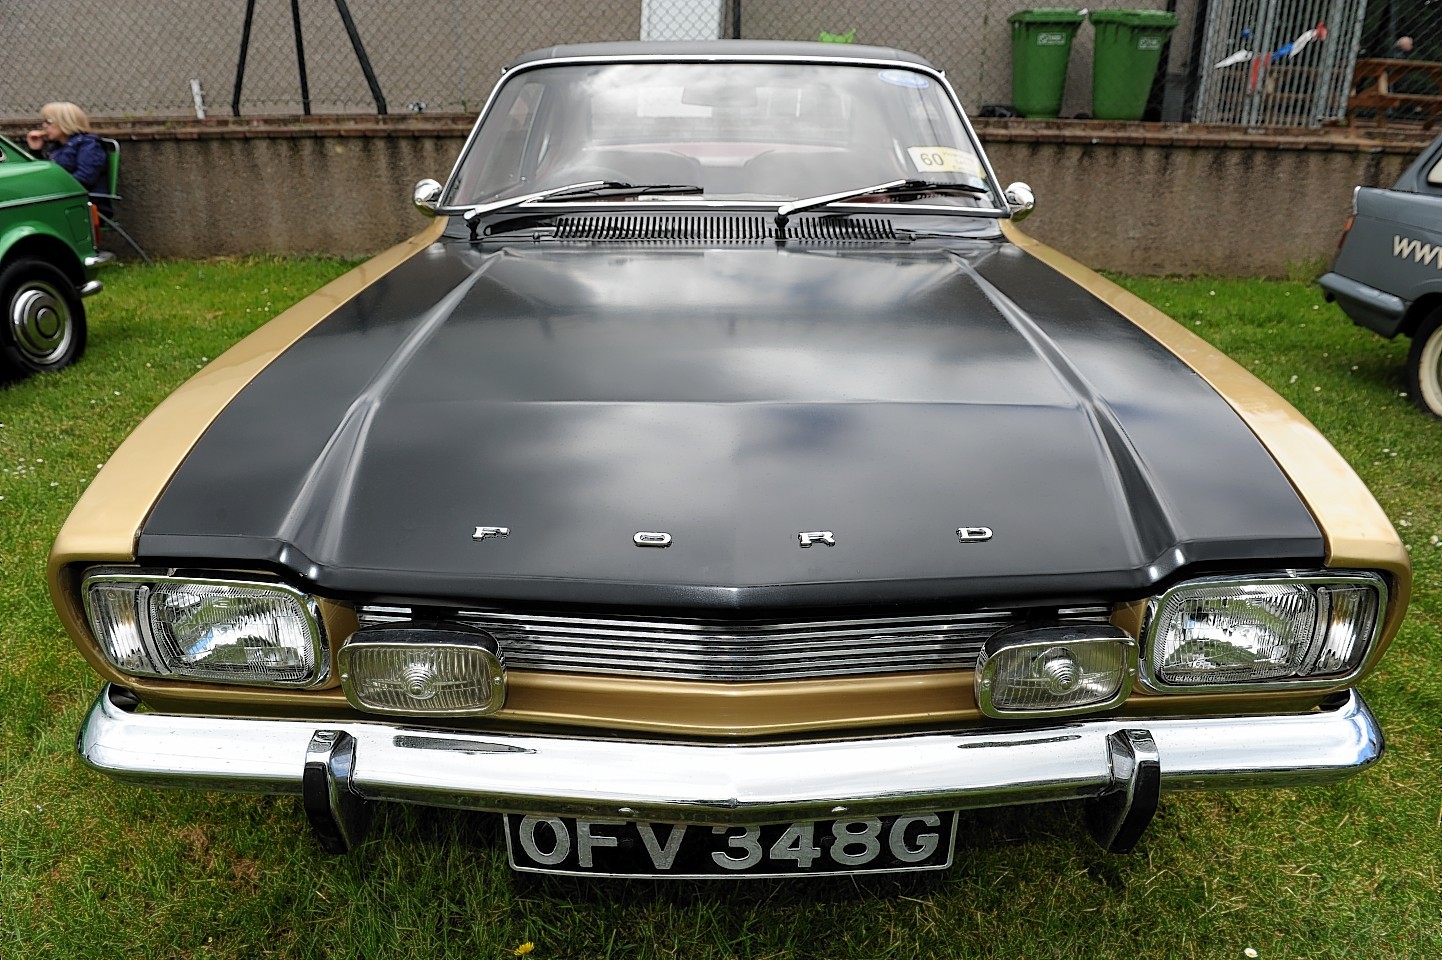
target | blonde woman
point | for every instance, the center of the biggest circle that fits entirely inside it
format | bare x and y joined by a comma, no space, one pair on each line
64,137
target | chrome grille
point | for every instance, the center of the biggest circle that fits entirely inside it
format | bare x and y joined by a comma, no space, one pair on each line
748,650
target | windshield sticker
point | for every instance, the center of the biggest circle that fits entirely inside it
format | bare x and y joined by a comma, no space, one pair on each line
905,78
944,160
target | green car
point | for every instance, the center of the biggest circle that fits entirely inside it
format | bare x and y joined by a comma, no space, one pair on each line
49,256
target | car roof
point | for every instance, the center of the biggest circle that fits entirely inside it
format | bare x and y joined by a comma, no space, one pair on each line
720,50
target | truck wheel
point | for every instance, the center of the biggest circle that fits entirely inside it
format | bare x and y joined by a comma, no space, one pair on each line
44,321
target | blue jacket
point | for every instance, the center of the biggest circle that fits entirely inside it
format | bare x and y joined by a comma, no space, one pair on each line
83,157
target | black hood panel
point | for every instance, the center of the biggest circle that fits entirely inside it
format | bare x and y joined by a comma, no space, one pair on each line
732,398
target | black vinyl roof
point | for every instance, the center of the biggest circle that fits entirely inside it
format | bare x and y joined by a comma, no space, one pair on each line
721,50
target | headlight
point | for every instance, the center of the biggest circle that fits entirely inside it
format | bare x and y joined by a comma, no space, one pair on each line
1054,670
225,631
1249,633
423,669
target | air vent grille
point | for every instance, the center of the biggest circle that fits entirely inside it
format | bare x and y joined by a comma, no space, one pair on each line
666,227
702,228
834,229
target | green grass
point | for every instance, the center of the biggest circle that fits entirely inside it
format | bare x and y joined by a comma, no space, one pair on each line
93,868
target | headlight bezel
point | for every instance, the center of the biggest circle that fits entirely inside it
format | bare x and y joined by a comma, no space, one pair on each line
315,652
1148,673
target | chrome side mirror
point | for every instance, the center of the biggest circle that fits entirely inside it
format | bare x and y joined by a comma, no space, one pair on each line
425,196
1021,200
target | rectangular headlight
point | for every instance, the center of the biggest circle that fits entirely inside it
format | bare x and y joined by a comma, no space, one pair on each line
1266,632
1041,670
423,669
218,630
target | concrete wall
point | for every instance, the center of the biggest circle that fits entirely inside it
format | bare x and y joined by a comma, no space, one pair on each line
333,193
1138,198
1185,200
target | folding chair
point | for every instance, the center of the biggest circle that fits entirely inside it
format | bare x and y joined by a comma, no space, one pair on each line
105,200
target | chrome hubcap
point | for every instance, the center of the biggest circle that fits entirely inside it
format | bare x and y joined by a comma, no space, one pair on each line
41,323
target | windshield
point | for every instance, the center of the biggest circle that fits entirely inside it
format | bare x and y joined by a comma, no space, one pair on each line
748,131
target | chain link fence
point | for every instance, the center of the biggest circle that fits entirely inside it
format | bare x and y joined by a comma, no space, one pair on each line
125,58
1307,62
1278,62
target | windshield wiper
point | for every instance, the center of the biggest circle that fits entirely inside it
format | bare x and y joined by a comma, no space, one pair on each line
892,188
589,188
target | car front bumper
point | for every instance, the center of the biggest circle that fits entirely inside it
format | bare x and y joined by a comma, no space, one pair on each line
343,765
339,767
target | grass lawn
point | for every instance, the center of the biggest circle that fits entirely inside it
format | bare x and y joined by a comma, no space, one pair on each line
93,868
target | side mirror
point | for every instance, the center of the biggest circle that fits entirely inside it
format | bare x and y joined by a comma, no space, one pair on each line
426,194
1021,200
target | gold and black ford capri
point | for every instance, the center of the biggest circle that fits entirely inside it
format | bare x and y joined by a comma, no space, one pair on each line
722,485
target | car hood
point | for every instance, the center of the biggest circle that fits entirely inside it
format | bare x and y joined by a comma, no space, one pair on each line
734,399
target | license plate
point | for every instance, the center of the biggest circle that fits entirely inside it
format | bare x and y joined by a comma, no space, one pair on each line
891,844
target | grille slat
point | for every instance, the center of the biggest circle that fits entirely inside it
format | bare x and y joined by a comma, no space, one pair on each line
691,649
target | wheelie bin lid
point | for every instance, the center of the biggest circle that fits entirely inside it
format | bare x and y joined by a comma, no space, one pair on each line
1053,15
1135,18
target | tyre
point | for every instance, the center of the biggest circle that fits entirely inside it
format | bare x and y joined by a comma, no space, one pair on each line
44,321
1424,365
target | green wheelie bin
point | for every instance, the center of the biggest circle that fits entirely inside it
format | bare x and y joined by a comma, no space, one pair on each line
1040,47
1128,49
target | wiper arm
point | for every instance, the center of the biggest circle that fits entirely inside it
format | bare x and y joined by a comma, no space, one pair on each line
891,188
598,188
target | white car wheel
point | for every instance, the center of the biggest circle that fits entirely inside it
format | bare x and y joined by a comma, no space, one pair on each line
1424,365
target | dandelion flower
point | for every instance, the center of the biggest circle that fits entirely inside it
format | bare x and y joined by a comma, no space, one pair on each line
524,949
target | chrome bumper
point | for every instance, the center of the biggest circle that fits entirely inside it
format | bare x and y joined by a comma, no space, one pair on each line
739,783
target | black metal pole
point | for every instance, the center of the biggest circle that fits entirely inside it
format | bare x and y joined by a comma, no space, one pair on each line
244,53
300,57
735,19
360,52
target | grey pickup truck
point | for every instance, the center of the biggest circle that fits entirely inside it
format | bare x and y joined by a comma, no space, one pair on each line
1387,275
